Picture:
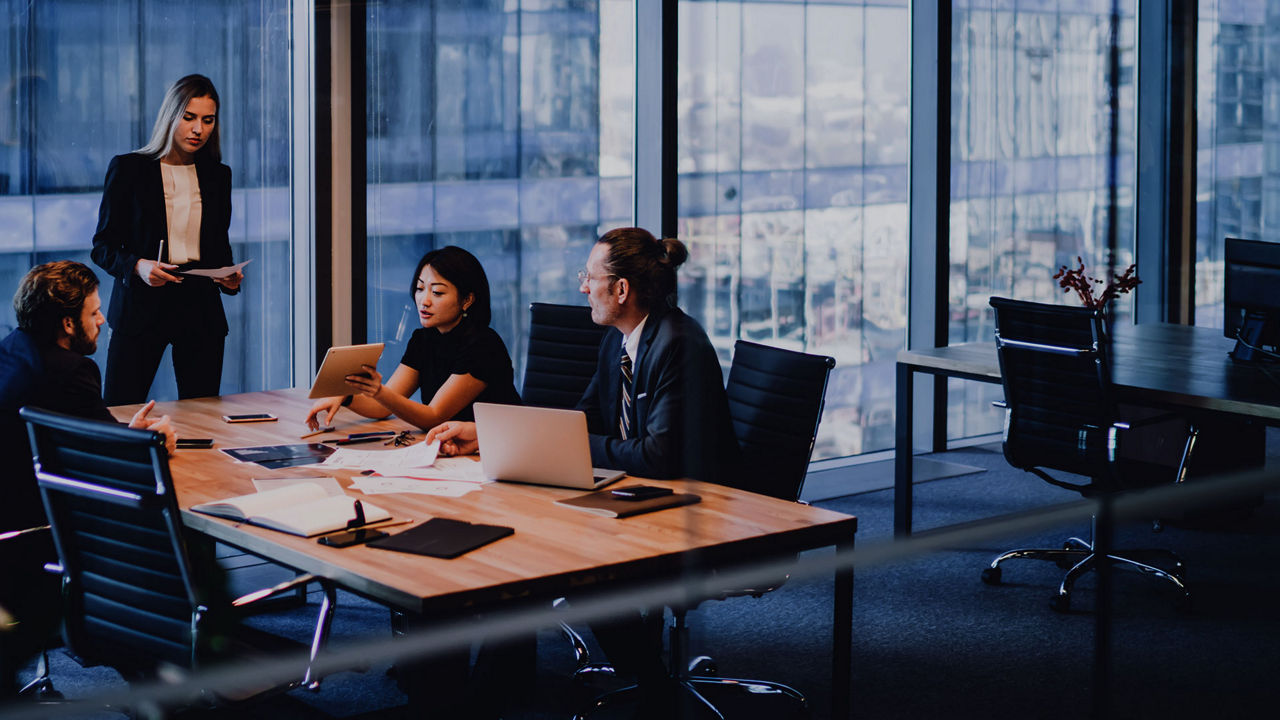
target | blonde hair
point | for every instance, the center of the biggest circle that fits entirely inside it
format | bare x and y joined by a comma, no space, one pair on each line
171,109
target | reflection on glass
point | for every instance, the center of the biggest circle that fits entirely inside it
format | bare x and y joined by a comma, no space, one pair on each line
504,128
1237,138
81,82
792,190
1029,144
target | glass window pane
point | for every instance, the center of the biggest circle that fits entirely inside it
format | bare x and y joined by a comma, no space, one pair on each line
85,80
501,127
1029,148
792,124
1237,138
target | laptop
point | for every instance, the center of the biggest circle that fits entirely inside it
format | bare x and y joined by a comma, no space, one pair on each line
536,445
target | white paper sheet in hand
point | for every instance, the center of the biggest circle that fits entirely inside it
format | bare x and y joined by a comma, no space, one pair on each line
221,272
381,485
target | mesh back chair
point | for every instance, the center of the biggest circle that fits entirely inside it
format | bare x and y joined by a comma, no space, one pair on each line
1061,414
563,346
775,402
136,594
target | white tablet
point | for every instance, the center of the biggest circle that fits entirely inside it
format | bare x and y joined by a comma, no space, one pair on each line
340,362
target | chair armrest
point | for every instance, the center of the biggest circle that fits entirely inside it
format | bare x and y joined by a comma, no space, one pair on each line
265,593
19,533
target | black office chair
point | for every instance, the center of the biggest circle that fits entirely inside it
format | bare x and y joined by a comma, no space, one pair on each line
1061,414
563,347
136,595
775,402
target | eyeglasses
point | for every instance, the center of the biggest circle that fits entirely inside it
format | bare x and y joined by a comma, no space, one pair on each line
404,438
584,276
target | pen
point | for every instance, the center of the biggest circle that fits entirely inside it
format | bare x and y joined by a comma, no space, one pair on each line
160,255
321,431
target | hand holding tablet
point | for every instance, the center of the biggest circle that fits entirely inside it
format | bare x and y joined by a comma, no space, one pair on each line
339,362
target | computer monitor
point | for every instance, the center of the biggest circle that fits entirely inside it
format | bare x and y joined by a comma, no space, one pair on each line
1252,298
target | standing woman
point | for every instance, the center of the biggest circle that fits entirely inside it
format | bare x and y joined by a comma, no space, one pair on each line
166,207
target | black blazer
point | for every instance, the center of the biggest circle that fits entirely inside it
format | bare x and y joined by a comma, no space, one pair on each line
681,426
131,223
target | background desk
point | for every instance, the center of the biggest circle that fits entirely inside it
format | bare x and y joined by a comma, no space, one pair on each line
555,549
1178,367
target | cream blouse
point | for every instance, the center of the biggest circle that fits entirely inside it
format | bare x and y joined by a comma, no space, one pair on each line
183,209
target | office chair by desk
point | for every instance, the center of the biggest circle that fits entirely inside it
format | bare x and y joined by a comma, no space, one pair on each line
135,595
775,403
563,346
1061,414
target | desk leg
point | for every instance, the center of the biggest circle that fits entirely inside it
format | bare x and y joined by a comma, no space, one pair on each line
842,640
902,459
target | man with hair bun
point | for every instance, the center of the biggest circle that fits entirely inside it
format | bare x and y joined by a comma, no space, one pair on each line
656,407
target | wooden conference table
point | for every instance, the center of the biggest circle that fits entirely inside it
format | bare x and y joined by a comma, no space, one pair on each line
1178,367
555,550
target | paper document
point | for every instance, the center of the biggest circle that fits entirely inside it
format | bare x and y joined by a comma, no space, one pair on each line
217,272
379,485
385,462
459,469
328,484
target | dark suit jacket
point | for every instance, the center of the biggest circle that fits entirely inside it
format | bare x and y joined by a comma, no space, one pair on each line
45,376
681,426
131,223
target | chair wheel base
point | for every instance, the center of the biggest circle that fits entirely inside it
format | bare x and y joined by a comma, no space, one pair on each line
991,575
704,665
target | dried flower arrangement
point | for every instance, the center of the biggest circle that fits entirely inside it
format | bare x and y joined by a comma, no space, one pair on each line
1084,285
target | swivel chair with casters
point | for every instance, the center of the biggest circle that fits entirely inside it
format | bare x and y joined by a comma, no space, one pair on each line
775,403
1061,414
135,597
561,357
28,615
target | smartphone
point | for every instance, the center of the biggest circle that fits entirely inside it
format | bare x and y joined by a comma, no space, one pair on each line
195,442
253,417
347,538
641,492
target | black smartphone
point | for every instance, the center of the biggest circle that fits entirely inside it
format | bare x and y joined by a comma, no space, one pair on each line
641,492
252,417
347,538
195,442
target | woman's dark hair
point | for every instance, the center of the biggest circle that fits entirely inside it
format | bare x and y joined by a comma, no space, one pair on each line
465,272
171,108
648,263
50,292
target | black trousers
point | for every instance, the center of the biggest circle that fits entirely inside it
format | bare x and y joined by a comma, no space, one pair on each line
132,362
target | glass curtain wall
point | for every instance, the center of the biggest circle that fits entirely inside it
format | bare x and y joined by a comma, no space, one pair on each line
1237,137
792,126
1029,148
81,81
503,127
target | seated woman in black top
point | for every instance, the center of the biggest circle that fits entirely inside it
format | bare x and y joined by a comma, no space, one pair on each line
455,358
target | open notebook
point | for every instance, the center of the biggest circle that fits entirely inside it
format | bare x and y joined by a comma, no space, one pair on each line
304,509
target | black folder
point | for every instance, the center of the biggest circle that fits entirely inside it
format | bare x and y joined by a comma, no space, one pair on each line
443,538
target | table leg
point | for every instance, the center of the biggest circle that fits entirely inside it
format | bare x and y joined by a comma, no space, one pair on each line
902,454
842,639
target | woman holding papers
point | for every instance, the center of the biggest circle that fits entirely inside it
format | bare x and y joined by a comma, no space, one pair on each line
166,208
455,359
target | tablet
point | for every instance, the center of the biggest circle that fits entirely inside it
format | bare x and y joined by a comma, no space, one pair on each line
340,362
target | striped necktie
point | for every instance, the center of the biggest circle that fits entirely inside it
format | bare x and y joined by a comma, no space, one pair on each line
624,417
